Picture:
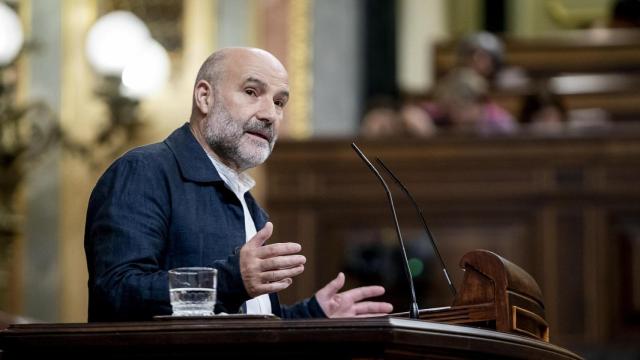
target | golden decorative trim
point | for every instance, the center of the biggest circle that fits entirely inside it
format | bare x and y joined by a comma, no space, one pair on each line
200,37
300,71
22,87
80,115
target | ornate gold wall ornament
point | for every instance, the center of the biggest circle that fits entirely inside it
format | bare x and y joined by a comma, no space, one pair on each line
300,68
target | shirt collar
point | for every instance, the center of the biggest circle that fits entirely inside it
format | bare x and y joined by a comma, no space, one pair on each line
239,183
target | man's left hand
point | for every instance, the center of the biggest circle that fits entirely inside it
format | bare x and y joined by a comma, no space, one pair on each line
349,303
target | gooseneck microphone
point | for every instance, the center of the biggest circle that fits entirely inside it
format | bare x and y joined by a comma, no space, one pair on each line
414,310
424,224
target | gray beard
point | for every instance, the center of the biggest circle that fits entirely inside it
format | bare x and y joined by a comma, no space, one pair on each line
224,135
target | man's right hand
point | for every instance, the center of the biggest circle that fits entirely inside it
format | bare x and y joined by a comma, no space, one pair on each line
269,268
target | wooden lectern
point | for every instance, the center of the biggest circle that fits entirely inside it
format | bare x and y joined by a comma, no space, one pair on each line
373,338
495,294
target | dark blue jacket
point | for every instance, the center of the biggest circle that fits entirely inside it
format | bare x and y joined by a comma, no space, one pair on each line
159,207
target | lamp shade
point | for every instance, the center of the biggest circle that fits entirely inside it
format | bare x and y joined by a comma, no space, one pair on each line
113,40
11,36
147,71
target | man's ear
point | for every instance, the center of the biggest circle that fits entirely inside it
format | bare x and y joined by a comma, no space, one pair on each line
203,96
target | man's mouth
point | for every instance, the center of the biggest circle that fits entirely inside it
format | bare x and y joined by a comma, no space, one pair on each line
260,135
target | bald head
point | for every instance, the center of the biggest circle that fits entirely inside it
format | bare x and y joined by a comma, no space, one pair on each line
215,66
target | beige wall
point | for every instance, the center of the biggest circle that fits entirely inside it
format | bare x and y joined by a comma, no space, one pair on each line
465,16
421,23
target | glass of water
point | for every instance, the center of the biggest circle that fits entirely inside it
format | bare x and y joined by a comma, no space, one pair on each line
193,290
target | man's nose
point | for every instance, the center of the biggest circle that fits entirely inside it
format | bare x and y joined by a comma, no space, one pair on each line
268,111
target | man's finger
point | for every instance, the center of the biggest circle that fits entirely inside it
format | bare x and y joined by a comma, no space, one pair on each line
261,236
372,307
275,286
282,262
277,275
278,249
333,286
364,292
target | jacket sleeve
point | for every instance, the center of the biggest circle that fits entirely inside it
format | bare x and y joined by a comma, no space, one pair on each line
231,292
125,234
308,308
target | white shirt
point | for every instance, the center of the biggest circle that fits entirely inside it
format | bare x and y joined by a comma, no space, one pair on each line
239,184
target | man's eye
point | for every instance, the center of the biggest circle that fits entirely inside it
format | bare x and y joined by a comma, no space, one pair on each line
250,92
279,103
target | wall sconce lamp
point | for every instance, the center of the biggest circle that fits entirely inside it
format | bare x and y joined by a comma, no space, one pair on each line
11,37
132,65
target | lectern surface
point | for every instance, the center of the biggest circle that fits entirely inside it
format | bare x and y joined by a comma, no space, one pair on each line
375,338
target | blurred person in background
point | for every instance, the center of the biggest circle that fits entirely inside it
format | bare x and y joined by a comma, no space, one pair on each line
543,112
461,101
463,105
381,119
384,119
484,53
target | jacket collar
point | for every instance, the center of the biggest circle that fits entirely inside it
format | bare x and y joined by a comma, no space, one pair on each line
195,165
192,160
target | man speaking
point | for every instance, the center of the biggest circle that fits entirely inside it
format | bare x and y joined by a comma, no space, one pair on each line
186,202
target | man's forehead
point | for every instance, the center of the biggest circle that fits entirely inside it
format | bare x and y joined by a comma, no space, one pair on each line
247,64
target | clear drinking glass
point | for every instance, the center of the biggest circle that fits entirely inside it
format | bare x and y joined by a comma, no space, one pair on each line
193,290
